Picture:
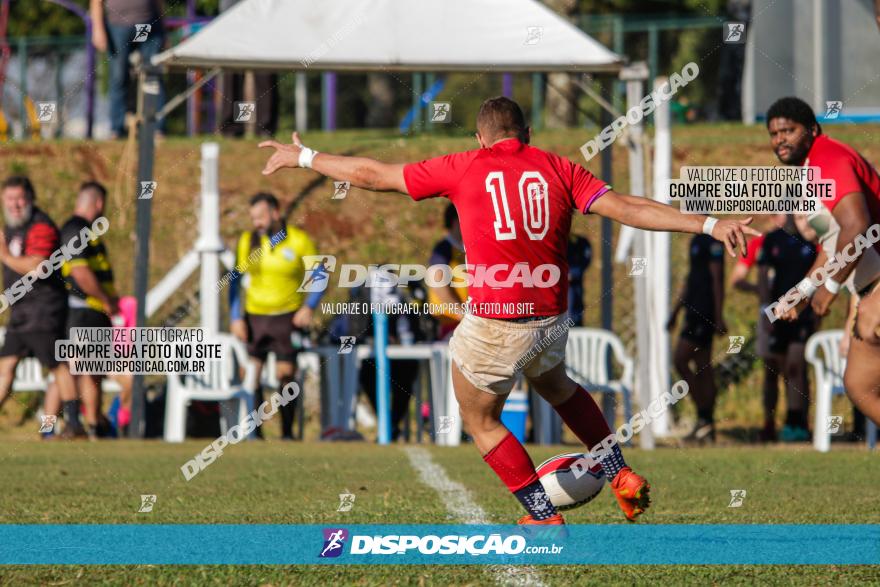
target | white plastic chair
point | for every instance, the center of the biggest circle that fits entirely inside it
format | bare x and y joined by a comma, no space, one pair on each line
829,370
221,381
29,376
586,360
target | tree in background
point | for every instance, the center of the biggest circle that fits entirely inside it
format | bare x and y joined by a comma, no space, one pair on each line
561,92
380,106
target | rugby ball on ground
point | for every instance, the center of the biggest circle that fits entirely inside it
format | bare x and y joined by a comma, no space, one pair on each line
571,480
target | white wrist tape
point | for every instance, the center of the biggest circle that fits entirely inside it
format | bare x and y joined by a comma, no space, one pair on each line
806,287
306,156
709,225
832,286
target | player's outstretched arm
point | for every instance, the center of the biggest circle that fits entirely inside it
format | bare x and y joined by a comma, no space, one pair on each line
650,215
361,172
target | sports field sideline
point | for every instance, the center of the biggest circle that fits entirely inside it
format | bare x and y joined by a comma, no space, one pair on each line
286,483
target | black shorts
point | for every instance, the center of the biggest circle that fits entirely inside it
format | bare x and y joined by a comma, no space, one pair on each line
87,318
32,344
270,334
784,334
698,329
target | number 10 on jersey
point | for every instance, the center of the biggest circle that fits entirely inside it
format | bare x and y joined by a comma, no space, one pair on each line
533,201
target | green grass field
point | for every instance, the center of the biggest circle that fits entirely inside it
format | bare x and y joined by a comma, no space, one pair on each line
293,483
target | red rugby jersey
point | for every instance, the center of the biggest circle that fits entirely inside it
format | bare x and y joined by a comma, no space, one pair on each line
514,203
850,171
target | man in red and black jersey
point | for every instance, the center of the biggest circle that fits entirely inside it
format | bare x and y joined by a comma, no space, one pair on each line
515,204
37,306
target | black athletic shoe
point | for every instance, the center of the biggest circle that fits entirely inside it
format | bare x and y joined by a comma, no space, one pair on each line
72,433
703,432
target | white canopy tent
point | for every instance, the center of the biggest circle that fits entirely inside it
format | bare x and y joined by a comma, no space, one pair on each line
392,35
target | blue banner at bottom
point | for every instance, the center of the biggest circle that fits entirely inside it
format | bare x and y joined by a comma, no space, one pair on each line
440,544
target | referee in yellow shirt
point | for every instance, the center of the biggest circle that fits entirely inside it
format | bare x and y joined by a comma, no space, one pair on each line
269,270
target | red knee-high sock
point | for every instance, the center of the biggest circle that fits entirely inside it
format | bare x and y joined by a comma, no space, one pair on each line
583,416
515,468
581,413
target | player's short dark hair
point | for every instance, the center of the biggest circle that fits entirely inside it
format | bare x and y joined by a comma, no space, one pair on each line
501,117
94,186
266,197
793,109
450,215
23,182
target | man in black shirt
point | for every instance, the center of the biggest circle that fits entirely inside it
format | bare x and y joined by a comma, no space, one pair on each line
36,300
789,257
92,297
703,301
446,301
580,254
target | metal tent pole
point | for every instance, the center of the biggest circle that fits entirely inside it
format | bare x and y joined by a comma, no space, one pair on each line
148,95
607,232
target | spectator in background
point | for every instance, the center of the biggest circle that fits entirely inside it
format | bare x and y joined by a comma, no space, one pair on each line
789,256
266,98
731,61
446,300
38,318
739,280
580,255
118,27
91,298
270,268
703,301
403,328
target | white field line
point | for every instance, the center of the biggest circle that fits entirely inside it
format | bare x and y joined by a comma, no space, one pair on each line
458,501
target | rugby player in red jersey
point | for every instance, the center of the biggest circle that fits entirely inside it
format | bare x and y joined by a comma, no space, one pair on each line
515,206
797,139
